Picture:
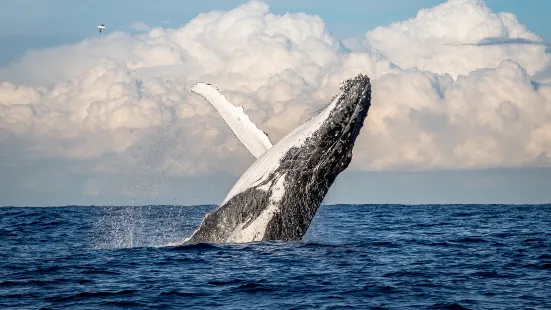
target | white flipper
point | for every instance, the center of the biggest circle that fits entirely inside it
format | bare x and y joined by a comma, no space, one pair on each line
254,139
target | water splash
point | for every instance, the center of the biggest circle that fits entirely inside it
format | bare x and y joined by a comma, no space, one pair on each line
155,157
142,226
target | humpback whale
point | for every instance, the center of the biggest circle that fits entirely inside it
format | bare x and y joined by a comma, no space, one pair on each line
279,194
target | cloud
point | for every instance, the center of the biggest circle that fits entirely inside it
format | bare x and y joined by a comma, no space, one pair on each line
435,40
503,41
140,26
121,104
493,117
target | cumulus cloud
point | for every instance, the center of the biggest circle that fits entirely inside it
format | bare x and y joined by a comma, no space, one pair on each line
121,101
430,40
140,26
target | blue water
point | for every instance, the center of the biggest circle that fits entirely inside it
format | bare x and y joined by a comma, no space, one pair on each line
353,257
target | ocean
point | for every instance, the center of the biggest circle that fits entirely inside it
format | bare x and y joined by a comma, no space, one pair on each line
353,257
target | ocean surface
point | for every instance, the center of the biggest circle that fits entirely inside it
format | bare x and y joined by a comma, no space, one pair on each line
353,257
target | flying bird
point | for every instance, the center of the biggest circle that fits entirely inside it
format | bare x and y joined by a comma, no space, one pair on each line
101,27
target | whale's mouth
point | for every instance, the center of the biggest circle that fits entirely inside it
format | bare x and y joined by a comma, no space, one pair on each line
361,93
358,120
339,150
351,128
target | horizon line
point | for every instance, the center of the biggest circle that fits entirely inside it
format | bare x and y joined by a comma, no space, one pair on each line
326,205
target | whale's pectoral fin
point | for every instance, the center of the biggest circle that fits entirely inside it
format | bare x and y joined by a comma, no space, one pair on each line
254,139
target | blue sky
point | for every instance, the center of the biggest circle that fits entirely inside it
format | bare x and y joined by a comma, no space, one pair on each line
28,24
32,24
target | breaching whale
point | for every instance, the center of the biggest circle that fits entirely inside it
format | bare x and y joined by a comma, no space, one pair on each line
279,194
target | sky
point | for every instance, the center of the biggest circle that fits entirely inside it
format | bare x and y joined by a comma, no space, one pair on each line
29,24
461,108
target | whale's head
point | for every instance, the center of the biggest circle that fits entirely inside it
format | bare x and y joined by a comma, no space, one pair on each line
330,147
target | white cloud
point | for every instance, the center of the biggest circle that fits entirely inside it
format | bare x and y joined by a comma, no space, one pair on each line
438,39
122,102
485,119
140,26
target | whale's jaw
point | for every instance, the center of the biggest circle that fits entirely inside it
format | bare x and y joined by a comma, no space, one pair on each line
278,196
